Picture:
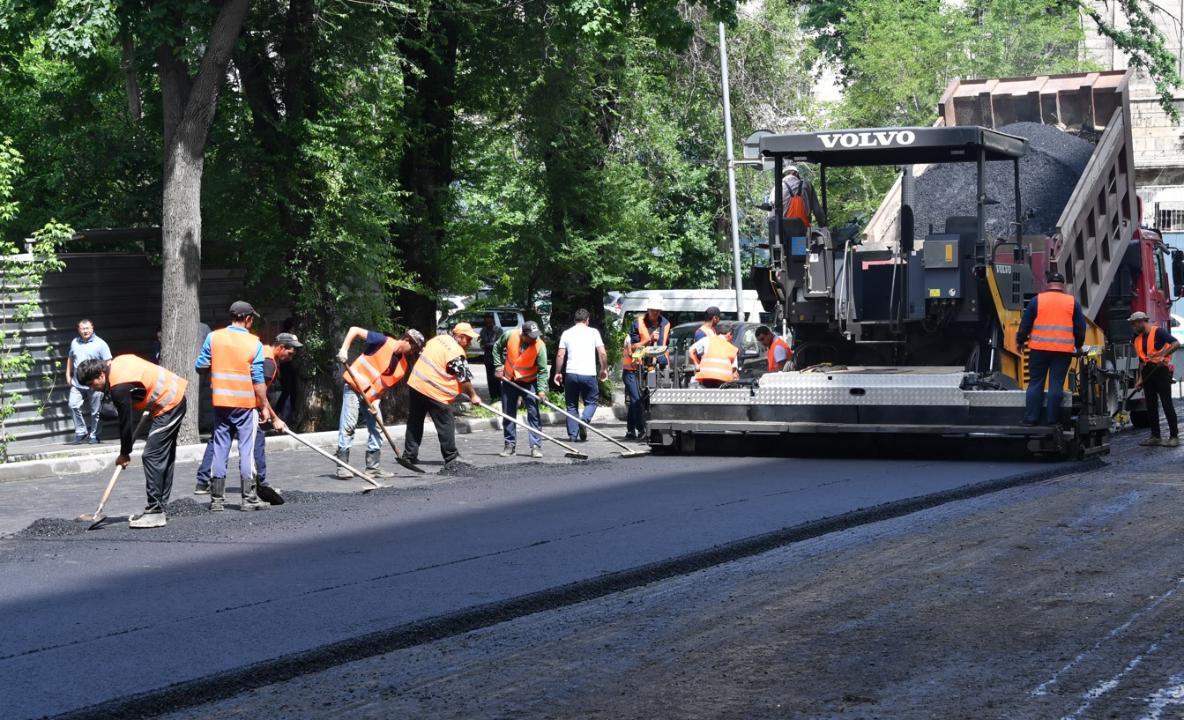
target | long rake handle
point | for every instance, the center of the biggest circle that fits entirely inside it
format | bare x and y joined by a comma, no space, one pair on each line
374,411
553,406
541,434
333,458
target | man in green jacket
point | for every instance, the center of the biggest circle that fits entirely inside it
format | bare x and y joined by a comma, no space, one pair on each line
521,357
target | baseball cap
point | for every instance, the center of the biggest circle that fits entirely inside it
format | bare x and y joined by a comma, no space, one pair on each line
711,312
1056,277
242,308
654,302
531,329
416,338
288,339
1138,316
464,329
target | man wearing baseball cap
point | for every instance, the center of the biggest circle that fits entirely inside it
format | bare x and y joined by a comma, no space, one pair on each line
381,366
439,378
1155,347
521,357
1053,327
649,329
234,359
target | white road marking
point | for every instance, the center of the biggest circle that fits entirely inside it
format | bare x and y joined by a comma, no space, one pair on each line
1042,689
1171,695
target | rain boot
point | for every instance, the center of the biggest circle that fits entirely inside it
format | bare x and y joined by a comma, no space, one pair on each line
343,456
217,494
251,499
372,469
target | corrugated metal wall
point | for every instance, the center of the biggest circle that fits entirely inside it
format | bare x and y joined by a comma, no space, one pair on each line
120,293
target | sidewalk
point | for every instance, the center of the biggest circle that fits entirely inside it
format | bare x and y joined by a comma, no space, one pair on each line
73,460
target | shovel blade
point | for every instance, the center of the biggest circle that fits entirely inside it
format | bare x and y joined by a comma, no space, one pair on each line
410,465
575,455
98,521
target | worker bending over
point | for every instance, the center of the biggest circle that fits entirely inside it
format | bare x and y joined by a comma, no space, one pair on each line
381,366
438,379
1155,346
134,386
715,360
1053,327
521,357
649,329
779,355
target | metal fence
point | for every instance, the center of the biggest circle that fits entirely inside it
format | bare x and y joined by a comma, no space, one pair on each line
120,293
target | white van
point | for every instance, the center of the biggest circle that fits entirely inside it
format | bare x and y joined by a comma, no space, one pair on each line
688,305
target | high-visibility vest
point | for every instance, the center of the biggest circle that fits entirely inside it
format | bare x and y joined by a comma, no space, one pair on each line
163,390
231,355
429,376
774,366
643,332
716,363
269,354
795,206
1145,353
1053,329
707,329
522,364
371,371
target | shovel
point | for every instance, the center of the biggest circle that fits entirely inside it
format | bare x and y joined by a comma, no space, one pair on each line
381,426
571,451
337,460
97,516
627,452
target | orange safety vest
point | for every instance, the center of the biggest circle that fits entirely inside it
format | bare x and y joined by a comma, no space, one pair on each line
163,390
429,375
1053,329
231,355
774,366
644,334
371,370
796,206
521,365
269,354
1145,353
716,363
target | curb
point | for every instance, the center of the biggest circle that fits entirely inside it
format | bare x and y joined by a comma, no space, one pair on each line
74,462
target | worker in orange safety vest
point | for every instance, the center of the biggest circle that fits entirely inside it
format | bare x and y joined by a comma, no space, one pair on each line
1052,327
1155,347
521,357
715,360
438,379
779,355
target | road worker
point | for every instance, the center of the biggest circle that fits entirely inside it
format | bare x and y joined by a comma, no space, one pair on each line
1053,327
381,366
1155,347
715,359
521,357
281,351
439,378
650,328
779,354
134,386
234,359
711,319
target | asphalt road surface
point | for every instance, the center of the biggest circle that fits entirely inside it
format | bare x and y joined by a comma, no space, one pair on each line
137,622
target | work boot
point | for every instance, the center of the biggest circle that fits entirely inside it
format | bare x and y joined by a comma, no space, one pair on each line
202,489
1152,442
269,495
583,434
217,494
1172,442
148,519
507,451
251,501
343,455
630,435
372,469
536,452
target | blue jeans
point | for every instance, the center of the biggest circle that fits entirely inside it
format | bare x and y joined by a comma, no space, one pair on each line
575,389
240,425
207,460
1054,366
84,406
352,406
633,417
510,397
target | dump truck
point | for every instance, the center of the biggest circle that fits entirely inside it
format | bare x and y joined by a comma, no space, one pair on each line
907,324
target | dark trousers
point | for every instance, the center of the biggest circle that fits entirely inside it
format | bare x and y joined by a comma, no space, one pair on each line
418,407
634,421
1157,388
491,379
1053,366
710,383
510,398
575,389
160,456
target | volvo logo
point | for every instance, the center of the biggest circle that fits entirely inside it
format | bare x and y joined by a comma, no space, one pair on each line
870,138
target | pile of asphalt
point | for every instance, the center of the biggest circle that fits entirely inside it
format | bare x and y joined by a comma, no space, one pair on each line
1048,174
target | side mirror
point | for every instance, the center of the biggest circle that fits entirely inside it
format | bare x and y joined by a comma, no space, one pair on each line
1178,272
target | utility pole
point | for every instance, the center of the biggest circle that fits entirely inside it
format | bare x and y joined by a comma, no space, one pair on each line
723,66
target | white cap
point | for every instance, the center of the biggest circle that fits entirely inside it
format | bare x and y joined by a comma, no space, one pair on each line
654,302
791,169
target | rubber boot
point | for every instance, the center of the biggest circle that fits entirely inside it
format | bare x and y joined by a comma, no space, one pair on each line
343,455
217,494
372,469
251,499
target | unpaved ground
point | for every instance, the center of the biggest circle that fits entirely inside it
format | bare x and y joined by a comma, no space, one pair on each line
1060,599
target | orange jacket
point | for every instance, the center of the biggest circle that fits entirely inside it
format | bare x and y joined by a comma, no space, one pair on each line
1053,329
231,355
773,365
429,375
371,371
717,361
522,363
163,390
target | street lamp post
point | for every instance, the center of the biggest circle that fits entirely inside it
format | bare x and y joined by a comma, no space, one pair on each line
723,65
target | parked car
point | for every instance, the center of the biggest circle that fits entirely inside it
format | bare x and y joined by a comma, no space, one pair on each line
751,359
505,318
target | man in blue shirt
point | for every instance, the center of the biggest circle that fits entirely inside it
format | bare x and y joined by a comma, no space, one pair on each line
84,402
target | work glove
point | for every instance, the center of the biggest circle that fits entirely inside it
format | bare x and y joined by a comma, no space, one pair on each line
342,357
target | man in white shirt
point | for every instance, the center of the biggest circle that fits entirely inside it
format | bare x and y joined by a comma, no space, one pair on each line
580,347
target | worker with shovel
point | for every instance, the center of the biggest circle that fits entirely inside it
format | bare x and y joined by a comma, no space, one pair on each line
1155,347
439,378
520,357
381,366
135,385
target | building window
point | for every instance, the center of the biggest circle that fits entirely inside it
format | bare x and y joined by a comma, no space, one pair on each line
1170,220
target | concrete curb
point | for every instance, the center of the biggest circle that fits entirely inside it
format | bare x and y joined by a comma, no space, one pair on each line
73,462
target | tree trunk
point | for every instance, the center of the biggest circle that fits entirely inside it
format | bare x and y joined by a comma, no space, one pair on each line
131,82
